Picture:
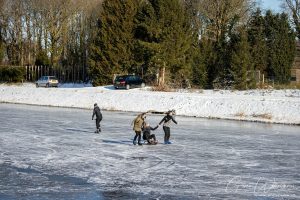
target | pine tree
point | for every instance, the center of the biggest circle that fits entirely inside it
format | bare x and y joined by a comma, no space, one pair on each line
111,50
270,31
257,41
42,59
218,67
281,46
287,50
199,65
1,50
165,37
240,60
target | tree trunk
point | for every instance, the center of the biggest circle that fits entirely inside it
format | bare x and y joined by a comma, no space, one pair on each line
161,79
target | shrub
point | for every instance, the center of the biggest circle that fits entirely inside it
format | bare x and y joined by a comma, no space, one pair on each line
161,88
12,74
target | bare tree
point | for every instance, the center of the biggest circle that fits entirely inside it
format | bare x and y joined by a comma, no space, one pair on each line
14,19
293,7
60,29
217,15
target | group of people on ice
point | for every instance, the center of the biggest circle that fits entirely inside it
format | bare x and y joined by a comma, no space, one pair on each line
140,125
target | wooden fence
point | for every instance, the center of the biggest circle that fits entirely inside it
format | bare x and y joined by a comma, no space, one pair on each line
295,76
67,74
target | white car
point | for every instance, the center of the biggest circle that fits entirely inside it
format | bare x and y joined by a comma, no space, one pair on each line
47,81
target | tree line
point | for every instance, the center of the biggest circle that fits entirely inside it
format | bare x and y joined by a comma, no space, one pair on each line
213,44
53,33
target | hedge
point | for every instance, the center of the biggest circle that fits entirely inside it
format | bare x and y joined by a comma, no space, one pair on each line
12,73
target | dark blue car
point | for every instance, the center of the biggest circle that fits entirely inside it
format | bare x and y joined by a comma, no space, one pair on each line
128,81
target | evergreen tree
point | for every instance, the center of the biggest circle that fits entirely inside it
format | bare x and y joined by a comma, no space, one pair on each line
42,59
1,51
199,65
240,60
270,32
287,48
111,50
281,46
219,74
214,61
257,41
165,37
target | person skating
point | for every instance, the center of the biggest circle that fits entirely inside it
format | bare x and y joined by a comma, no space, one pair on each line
166,125
98,114
137,127
151,139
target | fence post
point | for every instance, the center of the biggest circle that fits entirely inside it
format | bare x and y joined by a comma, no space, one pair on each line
26,72
39,72
29,73
32,72
35,72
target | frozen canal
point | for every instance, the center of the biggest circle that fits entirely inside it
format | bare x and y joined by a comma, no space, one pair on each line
52,153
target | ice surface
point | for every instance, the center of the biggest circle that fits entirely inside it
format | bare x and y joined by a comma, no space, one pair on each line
52,153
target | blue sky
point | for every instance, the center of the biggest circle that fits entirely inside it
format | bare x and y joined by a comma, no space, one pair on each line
274,5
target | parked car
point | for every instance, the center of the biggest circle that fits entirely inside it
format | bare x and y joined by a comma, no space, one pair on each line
47,81
128,81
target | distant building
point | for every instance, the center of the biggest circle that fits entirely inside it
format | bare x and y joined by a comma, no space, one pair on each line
295,71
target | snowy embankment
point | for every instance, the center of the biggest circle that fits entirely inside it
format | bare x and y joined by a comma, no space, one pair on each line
275,106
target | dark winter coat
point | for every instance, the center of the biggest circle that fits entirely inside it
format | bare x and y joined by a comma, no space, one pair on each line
167,120
147,131
97,112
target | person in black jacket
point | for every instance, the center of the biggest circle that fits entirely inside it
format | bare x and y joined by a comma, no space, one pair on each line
166,125
151,139
98,114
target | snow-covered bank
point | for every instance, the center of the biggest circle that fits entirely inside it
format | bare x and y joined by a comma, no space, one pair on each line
281,106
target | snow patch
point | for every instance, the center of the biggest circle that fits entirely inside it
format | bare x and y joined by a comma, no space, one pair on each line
272,106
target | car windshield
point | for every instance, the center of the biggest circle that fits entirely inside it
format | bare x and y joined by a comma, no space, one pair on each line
53,78
120,78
